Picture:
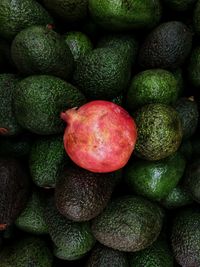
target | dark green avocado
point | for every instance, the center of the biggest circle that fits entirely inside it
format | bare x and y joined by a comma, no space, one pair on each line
81,195
128,223
14,191
103,73
8,123
46,160
159,131
39,100
102,256
185,237
29,251
20,14
41,50
167,46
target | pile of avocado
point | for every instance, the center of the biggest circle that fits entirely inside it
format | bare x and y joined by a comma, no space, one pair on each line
143,55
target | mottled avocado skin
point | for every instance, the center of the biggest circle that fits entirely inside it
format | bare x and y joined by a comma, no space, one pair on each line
152,86
20,14
81,195
31,219
103,73
125,14
39,100
158,254
72,240
194,67
79,44
185,237
159,131
128,223
8,123
102,256
68,10
40,50
155,179
47,160
28,251
167,46
188,111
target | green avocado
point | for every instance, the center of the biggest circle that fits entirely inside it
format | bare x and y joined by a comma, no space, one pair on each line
194,67
72,240
125,15
40,50
39,100
81,195
8,123
31,219
79,44
102,256
159,131
167,46
159,254
28,251
185,237
128,223
20,14
155,179
47,160
152,86
103,73
68,10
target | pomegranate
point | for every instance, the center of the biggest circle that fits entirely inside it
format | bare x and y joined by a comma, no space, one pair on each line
100,136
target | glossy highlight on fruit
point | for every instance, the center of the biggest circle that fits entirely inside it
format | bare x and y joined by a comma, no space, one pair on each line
100,136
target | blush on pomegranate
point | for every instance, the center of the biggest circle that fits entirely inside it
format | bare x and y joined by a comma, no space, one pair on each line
100,136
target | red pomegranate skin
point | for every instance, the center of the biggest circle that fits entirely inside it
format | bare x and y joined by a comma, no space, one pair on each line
100,136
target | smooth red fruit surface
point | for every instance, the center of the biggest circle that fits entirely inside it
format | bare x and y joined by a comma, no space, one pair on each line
100,136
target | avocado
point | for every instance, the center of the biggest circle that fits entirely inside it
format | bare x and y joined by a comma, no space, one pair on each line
103,73
192,179
167,46
188,111
102,256
72,239
186,149
8,123
177,198
152,86
179,75
128,223
185,237
31,219
159,131
79,44
68,10
155,179
159,254
20,14
125,15
127,43
47,160
180,5
81,195
14,185
28,251
16,146
196,19
194,67
40,50
39,100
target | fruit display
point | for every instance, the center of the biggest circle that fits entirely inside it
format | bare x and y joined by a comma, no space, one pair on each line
99,133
